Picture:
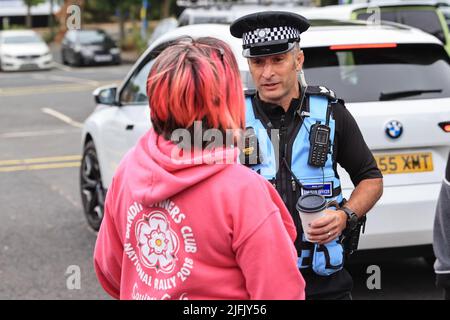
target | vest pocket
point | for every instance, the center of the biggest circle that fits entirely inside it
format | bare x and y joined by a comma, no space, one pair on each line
328,258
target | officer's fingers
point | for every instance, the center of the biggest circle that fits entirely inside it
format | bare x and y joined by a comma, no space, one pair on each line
327,237
320,231
322,222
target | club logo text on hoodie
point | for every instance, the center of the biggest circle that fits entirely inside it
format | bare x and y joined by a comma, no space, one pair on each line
160,246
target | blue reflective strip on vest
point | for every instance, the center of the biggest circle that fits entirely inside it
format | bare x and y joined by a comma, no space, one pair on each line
268,169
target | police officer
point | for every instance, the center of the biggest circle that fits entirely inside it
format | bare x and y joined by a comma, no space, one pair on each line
303,132
441,235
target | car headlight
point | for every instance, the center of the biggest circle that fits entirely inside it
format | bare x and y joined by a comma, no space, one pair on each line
114,51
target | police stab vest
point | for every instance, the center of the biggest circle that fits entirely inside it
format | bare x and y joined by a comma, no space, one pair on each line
327,259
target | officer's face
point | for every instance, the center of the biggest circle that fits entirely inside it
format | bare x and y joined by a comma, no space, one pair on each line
275,77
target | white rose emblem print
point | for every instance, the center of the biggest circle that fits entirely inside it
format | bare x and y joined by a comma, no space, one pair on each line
158,244
160,247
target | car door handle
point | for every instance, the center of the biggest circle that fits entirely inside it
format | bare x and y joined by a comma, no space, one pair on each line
129,127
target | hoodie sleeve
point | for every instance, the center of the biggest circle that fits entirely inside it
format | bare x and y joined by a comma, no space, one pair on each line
268,261
109,250
267,255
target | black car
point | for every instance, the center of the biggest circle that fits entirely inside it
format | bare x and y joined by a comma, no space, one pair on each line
83,47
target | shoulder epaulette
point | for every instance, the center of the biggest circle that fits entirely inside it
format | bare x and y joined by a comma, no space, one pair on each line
321,91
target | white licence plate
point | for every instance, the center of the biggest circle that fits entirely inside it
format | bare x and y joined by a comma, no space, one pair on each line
28,66
103,58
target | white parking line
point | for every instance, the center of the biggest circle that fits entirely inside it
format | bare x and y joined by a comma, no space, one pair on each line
66,79
96,69
62,117
27,134
54,88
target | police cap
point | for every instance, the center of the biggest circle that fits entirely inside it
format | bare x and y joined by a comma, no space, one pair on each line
268,32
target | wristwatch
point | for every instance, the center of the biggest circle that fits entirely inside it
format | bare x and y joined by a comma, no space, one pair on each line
352,219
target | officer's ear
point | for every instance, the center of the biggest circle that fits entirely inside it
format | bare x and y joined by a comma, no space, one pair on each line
299,60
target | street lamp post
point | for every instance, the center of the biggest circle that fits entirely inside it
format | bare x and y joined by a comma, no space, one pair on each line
51,21
144,23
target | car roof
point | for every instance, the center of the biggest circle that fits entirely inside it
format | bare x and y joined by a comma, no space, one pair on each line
88,30
230,12
338,33
344,11
18,33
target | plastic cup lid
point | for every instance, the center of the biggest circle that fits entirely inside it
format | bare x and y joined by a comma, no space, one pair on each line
311,203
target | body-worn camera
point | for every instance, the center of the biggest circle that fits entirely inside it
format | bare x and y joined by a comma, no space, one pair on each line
319,139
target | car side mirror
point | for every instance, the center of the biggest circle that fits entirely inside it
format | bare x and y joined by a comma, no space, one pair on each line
106,95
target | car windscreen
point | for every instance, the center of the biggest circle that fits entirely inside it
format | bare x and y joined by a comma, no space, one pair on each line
211,19
426,20
91,37
405,71
21,39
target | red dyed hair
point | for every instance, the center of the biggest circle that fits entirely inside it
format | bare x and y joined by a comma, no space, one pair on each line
195,80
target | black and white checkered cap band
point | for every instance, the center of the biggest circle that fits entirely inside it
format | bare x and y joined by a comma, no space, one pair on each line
270,34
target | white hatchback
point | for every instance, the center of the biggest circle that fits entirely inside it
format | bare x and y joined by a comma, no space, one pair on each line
395,81
23,50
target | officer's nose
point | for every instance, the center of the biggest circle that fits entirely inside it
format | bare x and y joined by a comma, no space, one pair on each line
267,71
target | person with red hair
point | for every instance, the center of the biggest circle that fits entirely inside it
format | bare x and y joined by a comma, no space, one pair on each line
207,228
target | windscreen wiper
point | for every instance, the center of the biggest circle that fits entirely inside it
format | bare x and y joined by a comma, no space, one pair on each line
384,96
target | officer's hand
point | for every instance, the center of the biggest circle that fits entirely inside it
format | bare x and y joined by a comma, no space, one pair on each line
325,229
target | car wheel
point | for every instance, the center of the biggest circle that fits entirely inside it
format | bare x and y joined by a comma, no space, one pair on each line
91,187
64,60
78,61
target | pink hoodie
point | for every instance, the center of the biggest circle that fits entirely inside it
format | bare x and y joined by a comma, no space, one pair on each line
194,231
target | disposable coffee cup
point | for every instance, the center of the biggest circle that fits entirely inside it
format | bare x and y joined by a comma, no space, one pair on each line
310,207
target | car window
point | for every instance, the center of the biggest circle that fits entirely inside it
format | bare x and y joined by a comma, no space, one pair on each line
387,16
22,39
90,37
426,20
363,75
211,19
135,91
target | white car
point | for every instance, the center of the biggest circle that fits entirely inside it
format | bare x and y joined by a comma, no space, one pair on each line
426,15
226,13
23,50
395,81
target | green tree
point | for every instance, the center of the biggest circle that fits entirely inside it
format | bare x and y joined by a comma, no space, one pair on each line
165,8
30,4
119,7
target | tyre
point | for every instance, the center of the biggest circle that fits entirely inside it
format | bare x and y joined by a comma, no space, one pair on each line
91,187
64,60
77,60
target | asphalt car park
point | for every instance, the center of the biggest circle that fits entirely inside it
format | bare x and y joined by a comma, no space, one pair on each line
44,232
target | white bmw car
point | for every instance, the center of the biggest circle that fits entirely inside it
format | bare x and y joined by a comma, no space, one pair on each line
23,50
395,81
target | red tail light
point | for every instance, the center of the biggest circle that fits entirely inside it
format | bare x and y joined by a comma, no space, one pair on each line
445,126
363,46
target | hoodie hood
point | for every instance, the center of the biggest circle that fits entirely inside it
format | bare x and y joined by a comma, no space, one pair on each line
159,169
